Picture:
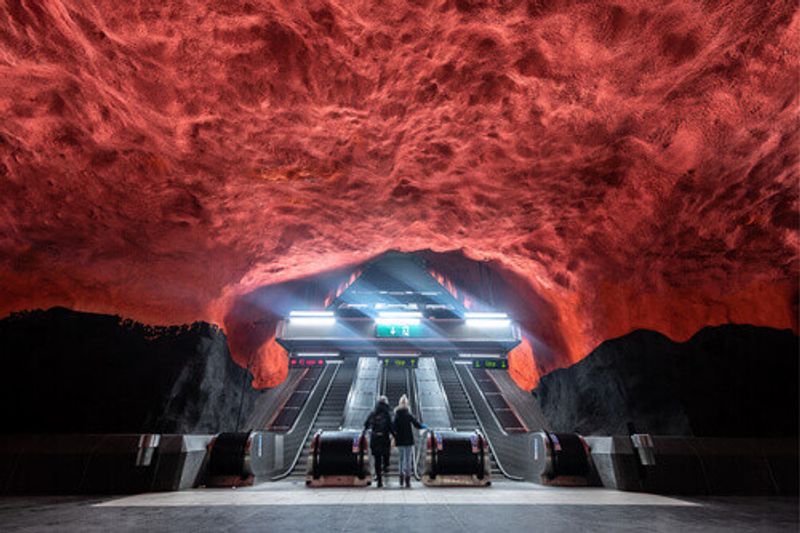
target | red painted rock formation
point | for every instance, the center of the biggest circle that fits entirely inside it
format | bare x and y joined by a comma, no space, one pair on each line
627,165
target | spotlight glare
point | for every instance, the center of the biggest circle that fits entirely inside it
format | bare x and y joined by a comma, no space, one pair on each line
400,314
488,323
485,315
397,321
312,320
316,354
311,313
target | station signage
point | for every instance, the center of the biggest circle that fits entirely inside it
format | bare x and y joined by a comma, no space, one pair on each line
305,362
398,330
490,364
400,362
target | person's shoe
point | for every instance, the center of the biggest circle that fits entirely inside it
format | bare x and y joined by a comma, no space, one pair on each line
380,483
408,482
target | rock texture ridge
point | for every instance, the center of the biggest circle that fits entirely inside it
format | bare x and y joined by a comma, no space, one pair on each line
632,165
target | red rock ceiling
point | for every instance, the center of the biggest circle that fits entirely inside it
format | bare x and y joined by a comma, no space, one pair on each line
627,164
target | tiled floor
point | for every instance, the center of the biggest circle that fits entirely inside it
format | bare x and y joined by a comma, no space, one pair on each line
505,506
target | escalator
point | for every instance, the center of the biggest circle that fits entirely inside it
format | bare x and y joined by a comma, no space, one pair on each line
510,439
463,415
363,393
330,415
270,401
396,381
445,389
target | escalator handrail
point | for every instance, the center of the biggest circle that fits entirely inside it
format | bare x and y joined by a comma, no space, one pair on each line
411,385
300,448
483,430
382,381
511,408
444,394
491,411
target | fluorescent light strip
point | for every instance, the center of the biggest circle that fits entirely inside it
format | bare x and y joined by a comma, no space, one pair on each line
313,320
316,354
481,355
400,314
485,315
488,323
311,313
397,321
415,354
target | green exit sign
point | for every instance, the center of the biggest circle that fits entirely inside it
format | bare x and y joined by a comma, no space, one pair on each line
398,330
491,364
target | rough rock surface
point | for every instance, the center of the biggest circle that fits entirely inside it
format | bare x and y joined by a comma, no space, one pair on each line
64,372
726,381
631,165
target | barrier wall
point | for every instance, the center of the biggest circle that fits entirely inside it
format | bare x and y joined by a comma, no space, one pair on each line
116,464
698,466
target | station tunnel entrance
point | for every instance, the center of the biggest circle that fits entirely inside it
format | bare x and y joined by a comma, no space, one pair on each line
397,330
437,285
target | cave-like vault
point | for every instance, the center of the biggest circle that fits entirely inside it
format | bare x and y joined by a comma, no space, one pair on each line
625,164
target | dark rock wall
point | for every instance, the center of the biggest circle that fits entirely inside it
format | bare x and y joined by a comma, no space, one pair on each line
726,381
64,371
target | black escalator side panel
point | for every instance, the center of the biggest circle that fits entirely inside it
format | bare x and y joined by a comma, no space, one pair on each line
294,404
227,454
502,410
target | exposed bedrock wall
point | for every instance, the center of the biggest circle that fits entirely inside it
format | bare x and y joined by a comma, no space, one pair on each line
63,371
725,381
561,325
624,165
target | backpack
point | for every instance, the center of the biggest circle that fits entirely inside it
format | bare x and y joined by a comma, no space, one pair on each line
380,424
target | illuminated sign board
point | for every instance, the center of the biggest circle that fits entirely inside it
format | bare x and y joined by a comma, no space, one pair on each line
400,362
398,330
490,364
305,362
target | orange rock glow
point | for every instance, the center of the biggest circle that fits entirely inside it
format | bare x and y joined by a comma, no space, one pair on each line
522,365
616,165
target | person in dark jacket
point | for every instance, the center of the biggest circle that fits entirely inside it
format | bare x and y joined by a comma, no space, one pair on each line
379,423
404,438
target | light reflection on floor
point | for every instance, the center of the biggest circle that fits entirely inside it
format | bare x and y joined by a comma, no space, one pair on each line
288,493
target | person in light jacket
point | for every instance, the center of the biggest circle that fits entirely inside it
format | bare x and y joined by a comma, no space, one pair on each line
404,438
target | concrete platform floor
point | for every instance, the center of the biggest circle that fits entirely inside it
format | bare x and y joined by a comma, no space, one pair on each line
289,506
